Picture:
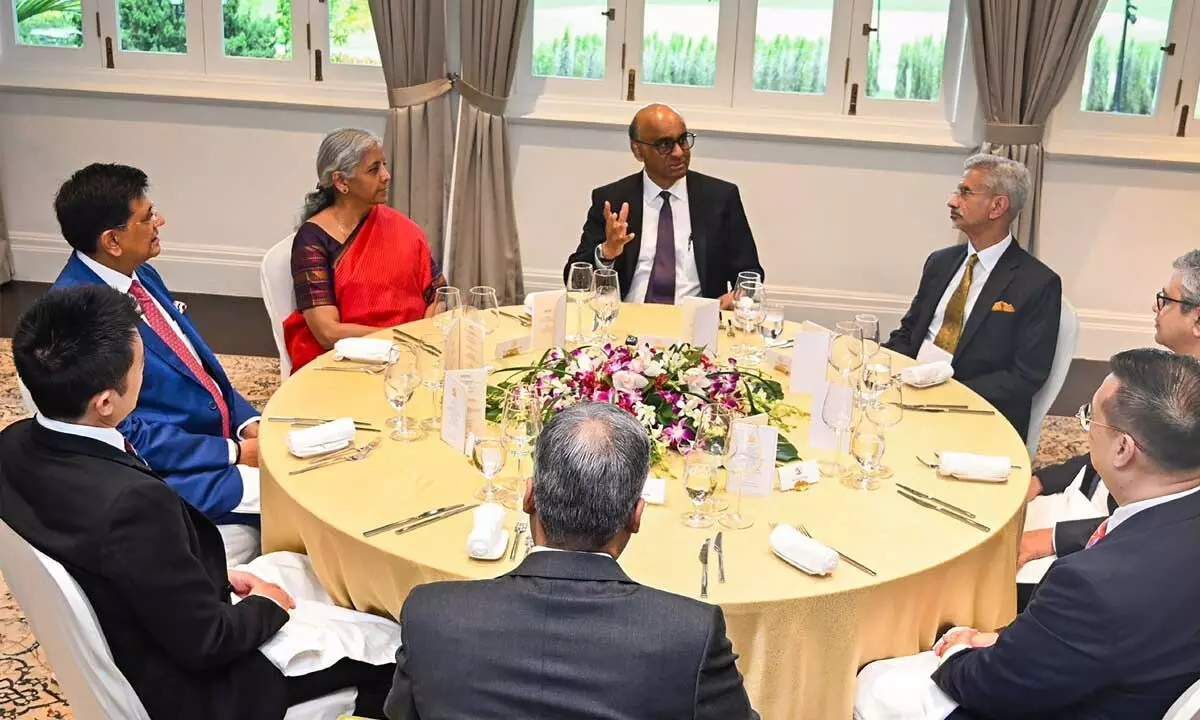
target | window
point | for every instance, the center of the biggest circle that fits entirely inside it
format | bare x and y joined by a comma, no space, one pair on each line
352,34
569,39
49,23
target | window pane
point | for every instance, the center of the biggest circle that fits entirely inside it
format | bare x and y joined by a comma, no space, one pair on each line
680,42
351,33
53,23
153,25
1124,63
791,45
906,50
568,38
258,28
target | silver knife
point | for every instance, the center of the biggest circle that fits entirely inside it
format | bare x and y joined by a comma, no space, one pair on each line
362,453
435,518
704,569
945,511
391,526
932,409
720,557
937,500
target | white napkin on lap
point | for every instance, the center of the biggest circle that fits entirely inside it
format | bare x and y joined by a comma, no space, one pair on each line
802,551
928,374
976,467
485,533
373,350
323,438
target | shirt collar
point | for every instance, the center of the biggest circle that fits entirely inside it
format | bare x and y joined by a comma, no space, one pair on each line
107,435
650,190
1124,512
543,548
111,278
989,257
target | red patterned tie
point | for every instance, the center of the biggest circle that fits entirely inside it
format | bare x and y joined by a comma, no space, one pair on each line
158,323
1099,534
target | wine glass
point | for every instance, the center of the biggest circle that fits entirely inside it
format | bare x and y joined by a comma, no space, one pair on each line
876,377
866,445
846,350
606,302
745,459
886,412
700,481
870,333
579,292
401,379
447,303
771,326
748,298
488,455
483,312
711,445
433,373
747,275
837,412
520,424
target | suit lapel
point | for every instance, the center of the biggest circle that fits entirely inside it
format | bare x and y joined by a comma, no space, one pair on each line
629,256
697,207
160,347
997,282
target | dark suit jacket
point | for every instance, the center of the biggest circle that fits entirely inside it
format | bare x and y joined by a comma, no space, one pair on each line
721,237
152,566
1111,633
564,635
1003,356
1072,535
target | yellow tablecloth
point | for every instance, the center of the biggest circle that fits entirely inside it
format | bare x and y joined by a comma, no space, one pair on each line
801,639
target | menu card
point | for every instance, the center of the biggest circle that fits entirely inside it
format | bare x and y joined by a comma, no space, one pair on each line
810,356
701,321
756,441
549,316
464,400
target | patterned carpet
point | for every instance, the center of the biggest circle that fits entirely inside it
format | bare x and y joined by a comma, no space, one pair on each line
27,686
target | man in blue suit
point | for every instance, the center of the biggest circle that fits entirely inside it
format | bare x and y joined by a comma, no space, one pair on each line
190,425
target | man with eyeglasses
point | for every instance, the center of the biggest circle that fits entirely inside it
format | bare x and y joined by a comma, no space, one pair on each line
190,425
669,232
1112,631
1177,328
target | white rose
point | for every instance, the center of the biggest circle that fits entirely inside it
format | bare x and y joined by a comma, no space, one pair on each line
627,381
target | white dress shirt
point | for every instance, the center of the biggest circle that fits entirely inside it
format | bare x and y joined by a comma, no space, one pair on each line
543,548
106,435
121,282
1124,512
687,275
983,268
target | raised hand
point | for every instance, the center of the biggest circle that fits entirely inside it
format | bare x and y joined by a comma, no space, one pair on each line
616,231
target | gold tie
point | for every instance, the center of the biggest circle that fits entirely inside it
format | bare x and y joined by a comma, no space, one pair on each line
952,323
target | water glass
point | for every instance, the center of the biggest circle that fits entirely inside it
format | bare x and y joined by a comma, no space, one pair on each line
771,326
488,455
433,374
870,332
876,377
886,412
866,446
579,291
745,459
713,426
520,425
401,379
447,306
484,312
748,299
700,481
846,350
606,301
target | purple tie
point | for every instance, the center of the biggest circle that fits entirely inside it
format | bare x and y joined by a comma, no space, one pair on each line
662,274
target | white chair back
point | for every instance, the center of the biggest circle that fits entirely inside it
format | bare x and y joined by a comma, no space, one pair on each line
1064,353
279,295
65,624
1187,707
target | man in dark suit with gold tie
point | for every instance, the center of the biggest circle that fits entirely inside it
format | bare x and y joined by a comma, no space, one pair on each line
988,307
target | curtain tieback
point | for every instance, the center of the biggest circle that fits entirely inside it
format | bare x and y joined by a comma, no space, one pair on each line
999,133
403,97
480,99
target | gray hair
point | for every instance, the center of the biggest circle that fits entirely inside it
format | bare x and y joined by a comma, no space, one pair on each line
1003,177
341,151
589,468
1157,402
1188,267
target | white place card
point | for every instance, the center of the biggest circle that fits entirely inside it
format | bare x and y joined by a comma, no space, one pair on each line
549,316
516,346
806,472
464,398
760,440
655,491
810,356
820,435
701,321
472,339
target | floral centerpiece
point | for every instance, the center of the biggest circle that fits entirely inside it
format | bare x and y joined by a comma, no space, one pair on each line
664,389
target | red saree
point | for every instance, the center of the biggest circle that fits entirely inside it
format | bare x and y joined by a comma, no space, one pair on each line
379,280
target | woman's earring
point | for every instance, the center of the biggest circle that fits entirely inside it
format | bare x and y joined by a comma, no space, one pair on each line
345,190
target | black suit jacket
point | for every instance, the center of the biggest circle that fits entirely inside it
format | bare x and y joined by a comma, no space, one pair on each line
564,635
1072,535
152,566
1003,356
1112,632
721,237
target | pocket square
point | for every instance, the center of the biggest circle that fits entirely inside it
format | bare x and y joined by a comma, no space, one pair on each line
1002,306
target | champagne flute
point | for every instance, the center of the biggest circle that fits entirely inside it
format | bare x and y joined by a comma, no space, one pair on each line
520,424
745,459
837,412
748,300
606,302
579,292
870,333
700,481
886,412
401,378
433,374
484,312
846,350
866,445
488,455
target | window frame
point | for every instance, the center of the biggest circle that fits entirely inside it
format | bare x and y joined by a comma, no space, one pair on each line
340,73
217,63
528,86
721,92
191,61
90,55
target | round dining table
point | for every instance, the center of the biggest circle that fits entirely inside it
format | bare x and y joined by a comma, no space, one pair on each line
800,638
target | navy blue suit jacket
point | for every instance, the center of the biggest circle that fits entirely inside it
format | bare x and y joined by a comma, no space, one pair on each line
1112,632
176,427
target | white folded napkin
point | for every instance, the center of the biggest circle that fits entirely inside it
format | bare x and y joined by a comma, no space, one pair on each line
373,350
928,374
485,533
802,551
323,438
976,467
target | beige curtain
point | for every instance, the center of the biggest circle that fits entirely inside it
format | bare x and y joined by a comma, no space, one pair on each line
484,247
6,263
1026,52
417,142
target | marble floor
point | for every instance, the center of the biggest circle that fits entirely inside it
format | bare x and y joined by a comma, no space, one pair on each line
27,687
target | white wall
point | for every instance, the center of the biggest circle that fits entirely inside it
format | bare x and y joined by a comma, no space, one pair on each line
841,227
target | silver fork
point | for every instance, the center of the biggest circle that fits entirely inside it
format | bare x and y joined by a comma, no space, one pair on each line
376,370
520,528
528,545
362,453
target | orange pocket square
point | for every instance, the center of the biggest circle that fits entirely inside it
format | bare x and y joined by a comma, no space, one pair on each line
1002,306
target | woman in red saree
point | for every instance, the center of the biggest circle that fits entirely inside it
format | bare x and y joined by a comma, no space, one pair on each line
357,264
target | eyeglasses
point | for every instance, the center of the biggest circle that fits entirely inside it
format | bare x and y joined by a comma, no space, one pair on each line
1084,416
965,193
155,216
1163,298
666,146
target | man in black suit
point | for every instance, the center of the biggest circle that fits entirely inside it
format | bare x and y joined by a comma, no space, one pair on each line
670,233
567,634
1112,631
152,566
989,307
1177,328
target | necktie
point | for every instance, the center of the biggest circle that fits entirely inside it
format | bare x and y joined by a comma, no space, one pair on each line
1098,535
158,323
952,323
133,453
662,273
